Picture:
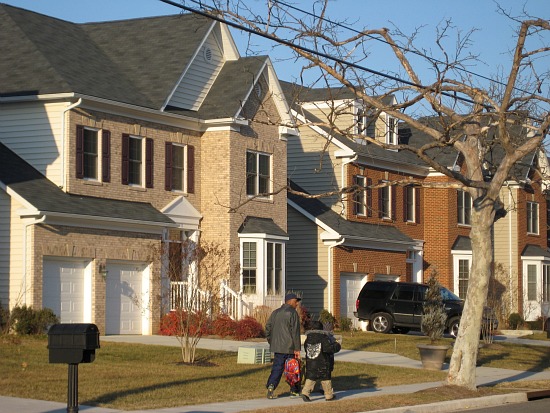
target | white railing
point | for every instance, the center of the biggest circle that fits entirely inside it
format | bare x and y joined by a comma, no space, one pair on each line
232,303
189,297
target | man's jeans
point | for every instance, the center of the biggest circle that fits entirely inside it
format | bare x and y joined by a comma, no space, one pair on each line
277,371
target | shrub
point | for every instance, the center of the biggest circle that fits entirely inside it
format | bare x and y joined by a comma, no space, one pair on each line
305,317
262,313
247,328
327,319
180,323
224,326
4,318
345,324
536,324
434,316
515,321
26,320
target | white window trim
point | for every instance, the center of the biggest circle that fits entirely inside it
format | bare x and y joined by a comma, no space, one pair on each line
532,308
99,155
185,168
389,212
257,177
143,156
463,207
457,257
388,131
413,203
363,196
261,241
536,232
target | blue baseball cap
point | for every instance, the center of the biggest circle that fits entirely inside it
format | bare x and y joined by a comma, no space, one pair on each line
291,296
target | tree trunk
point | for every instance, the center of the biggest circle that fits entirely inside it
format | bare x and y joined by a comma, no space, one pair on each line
462,370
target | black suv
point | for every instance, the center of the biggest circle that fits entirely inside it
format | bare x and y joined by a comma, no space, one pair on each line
397,306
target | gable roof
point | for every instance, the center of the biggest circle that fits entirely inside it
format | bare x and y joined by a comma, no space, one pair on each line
134,61
34,189
338,224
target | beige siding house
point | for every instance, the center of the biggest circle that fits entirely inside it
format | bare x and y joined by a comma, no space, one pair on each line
127,151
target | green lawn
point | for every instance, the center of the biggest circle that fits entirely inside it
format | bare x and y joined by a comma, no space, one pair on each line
132,376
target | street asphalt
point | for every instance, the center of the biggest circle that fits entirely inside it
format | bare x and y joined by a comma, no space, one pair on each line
484,376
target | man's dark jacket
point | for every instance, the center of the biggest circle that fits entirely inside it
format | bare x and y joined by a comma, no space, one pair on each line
283,330
320,347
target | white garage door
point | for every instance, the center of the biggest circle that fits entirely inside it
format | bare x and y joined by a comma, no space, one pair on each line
64,289
350,286
124,298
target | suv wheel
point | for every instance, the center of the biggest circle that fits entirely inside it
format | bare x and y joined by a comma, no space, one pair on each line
453,326
381,323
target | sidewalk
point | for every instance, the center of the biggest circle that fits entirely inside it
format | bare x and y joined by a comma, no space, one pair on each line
484,376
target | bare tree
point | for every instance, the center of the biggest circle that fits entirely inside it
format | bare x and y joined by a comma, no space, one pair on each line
508,118
191,277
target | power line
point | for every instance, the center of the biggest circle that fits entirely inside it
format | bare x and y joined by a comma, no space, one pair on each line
431,59
312,51
306,49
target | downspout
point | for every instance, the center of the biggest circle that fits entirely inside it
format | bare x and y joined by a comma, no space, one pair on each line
34,222
63,175
330,273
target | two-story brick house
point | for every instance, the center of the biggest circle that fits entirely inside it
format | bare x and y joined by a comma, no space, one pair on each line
116,137
338,243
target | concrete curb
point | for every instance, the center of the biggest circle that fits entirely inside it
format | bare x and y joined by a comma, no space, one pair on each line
458,405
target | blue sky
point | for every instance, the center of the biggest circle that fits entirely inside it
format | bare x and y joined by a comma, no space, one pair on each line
492,40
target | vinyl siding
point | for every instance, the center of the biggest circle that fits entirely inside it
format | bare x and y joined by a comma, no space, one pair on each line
505,235
314,167
12,290
34,132
307,262
199,78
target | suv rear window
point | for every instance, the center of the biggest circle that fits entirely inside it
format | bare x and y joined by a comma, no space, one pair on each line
376,290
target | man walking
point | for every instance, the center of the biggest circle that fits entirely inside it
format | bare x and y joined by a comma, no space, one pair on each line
283,335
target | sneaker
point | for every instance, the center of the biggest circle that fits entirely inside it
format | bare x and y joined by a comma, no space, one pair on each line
294,395
305,398
332,398
270,391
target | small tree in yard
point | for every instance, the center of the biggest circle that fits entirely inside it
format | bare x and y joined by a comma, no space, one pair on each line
192,274
434,316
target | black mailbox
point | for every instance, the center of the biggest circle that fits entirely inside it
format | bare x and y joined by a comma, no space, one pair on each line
73,343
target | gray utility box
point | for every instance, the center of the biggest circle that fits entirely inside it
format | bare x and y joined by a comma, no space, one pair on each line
73,343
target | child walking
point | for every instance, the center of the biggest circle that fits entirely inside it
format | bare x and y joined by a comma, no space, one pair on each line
320,347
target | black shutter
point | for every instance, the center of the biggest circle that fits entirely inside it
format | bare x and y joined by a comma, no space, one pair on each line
125,158
79,152
168,166
106,156
190,169
149,144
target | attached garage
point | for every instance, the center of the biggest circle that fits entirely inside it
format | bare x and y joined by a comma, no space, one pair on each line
67,289
127,298
350,286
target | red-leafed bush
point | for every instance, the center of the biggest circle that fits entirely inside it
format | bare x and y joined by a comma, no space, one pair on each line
247,328
180,323
224,326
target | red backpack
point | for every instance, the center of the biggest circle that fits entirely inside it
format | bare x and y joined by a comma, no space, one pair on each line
292,371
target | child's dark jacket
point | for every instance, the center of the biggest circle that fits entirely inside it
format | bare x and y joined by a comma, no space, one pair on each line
320,347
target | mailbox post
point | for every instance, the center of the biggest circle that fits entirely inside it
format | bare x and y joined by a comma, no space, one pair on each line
72,344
